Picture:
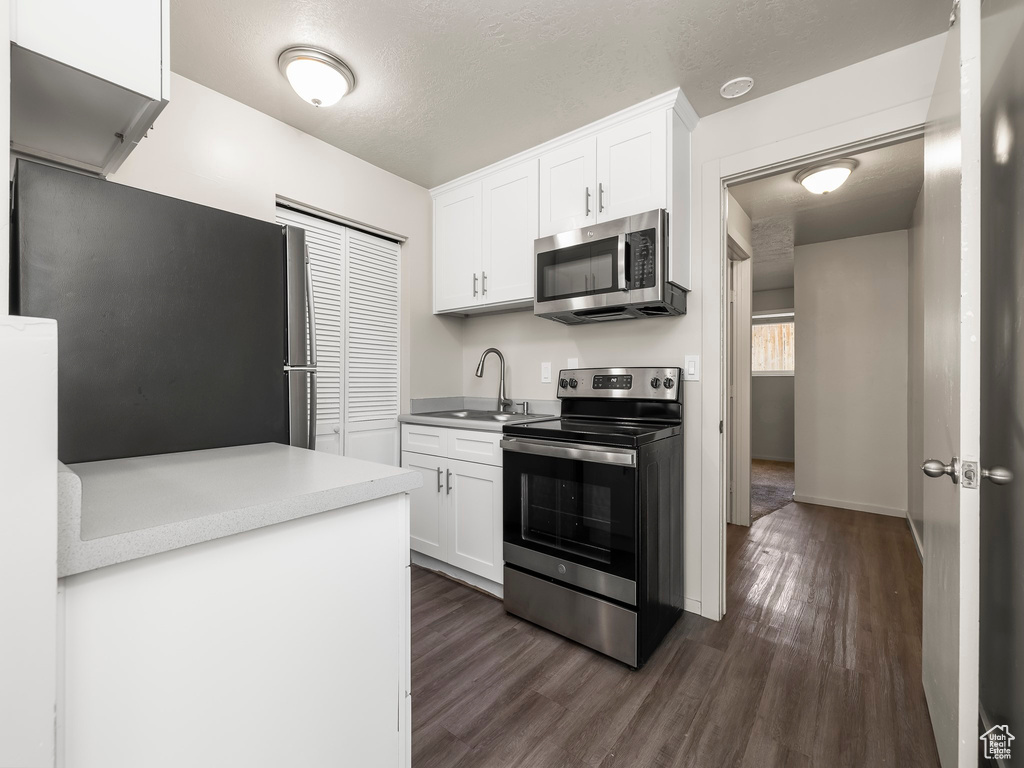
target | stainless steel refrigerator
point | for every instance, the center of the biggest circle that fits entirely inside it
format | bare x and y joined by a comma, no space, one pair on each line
180,327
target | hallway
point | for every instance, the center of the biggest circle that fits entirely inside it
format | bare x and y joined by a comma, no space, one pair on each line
818,663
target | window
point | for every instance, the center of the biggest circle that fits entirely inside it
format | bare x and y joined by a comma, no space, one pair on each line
772,344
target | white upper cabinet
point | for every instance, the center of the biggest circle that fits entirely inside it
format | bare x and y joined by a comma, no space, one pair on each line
87,78
631,167
485,223
120,41
568,187
509,230
457,246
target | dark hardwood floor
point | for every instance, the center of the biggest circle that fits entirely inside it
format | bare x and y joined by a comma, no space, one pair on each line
818,663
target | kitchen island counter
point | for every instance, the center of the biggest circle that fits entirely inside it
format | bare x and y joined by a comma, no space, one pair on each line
119,510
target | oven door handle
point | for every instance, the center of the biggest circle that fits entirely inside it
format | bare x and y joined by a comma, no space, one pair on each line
572,451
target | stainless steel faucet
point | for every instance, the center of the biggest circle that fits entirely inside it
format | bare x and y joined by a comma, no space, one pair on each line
503,402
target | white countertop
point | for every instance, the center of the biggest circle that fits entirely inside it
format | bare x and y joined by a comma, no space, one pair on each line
114,511
481,425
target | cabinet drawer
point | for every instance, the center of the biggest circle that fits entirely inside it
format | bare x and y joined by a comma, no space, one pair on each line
479,447
419,438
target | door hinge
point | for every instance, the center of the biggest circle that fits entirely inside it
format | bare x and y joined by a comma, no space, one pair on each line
954,12
721,427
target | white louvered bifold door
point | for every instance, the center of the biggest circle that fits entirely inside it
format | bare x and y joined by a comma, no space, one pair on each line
326,243
372,347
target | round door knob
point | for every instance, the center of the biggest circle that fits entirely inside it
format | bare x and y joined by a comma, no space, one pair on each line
573,383
935,468
669,383
563,383
998,475
655,382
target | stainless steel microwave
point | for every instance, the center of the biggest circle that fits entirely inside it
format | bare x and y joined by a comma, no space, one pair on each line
616,270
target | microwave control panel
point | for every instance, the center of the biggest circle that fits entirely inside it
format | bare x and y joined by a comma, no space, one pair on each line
643,250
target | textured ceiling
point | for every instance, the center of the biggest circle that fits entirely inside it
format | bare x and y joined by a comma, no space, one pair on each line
879,196
447,86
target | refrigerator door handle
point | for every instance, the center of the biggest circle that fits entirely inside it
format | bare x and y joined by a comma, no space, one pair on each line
311,313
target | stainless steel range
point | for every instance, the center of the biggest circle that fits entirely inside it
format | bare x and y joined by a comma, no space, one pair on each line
593,511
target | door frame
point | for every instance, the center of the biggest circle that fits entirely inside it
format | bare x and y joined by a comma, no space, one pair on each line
890,127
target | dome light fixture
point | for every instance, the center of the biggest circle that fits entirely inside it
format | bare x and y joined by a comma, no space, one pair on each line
739,86
826,177
319,77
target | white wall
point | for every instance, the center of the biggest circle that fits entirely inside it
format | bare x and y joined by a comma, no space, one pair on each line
218,152
772,418
851,374
915,392
771,397
780,298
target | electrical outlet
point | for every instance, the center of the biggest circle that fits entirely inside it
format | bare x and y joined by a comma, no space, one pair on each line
691,368
545,373
573,362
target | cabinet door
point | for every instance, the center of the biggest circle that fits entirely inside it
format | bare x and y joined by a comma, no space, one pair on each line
631,167
427,530
568,187
509,229
474,519
120,41
457,248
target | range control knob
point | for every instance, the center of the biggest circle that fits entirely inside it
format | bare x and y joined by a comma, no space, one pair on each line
655,382
563,383
669,383
573,383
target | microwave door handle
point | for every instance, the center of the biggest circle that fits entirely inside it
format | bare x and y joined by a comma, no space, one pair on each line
623,285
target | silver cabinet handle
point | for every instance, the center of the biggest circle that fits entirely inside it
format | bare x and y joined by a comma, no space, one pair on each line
440,485
587,199
449,482
998,475
586,286
474,285
935,468
600,197
483,283
311,313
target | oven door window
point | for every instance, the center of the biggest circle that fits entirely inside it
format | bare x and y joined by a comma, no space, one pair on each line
579,270
575,510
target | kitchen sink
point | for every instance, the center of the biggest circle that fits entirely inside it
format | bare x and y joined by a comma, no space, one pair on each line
498,416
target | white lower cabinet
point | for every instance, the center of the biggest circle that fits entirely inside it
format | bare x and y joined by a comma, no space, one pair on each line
456,515
427,505
474,519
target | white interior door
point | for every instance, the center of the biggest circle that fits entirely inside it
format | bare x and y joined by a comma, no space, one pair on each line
952,299
568,187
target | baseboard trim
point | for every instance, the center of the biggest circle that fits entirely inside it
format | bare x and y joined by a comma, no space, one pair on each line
786,459
458,574
917,539
856,506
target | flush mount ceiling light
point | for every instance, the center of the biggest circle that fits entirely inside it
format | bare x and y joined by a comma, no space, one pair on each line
319,77
736,87
826,177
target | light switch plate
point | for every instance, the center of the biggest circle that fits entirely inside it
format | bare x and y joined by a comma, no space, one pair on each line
545,373
691,368
573,362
